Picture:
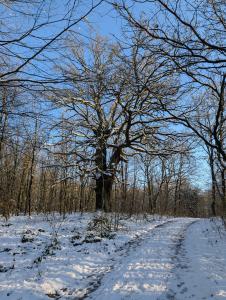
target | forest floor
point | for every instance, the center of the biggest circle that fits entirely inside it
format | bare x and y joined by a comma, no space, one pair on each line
77,257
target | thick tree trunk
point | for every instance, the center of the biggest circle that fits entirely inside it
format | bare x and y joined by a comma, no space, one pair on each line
150,200
213,179
103,192
99,193
223,180
213,204
105,175
107,193
104,180
175,198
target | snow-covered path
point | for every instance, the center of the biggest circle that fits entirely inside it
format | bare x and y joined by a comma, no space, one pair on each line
154,259
200,264
144,273
181,259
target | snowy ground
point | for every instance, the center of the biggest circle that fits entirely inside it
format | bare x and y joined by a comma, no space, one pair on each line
157,258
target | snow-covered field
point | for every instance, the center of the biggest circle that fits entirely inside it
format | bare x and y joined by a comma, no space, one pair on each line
48,257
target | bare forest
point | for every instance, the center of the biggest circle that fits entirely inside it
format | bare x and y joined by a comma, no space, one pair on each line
112,149
119,124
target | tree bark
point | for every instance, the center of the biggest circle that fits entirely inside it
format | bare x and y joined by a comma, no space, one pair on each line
104,184
105,175
104,180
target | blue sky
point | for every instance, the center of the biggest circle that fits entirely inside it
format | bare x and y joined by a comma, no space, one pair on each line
106,22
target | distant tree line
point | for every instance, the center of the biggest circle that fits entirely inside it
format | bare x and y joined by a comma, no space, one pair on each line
87,123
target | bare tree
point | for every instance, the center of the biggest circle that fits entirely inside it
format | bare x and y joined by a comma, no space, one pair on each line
112,108
29,34
191,35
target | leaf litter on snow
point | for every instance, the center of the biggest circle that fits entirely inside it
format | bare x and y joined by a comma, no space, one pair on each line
82,256
45,257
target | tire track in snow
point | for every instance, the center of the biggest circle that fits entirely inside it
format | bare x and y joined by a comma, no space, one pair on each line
123,251
199,271
143,274
180,262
